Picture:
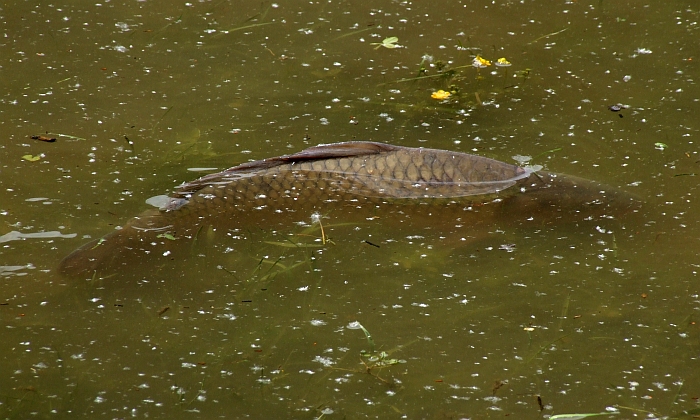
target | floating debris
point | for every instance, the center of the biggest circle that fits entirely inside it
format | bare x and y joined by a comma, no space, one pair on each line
44,138
16,236
617,107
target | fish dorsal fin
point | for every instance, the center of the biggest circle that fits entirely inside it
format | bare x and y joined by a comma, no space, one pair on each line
320,152
340,150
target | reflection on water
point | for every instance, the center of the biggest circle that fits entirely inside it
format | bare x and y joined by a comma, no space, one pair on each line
584,317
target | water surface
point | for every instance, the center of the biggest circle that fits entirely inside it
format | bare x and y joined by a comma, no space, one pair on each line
592,317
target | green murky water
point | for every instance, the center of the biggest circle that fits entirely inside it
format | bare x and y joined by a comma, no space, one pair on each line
595,317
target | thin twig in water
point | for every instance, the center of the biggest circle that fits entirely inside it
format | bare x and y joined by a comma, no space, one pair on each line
66,136
351,33
546,346
153,129
548,35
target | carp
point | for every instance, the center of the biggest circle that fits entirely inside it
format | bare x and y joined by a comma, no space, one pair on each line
352,181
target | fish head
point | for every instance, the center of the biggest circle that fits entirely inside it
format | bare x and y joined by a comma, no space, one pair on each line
567,198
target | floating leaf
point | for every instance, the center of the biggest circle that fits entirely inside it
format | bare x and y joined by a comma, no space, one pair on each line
660,146
31,158
522,160
390,43
167,236
533,168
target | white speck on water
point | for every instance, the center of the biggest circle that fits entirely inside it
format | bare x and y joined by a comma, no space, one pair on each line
325,361
229,317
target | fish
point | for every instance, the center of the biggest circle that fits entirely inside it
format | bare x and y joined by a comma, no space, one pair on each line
352,182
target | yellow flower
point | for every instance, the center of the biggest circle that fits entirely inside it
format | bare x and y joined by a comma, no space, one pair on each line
440,95
480,62
502,62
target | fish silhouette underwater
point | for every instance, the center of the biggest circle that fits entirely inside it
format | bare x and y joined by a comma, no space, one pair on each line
353,182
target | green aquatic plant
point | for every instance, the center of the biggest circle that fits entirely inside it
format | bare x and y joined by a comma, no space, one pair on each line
390,43
380,359
502,62
451,81
372,359
370,340
167,235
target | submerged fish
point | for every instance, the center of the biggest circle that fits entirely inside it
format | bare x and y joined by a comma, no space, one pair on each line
351,181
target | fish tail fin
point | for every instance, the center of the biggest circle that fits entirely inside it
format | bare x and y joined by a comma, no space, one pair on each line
96,256
119,249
